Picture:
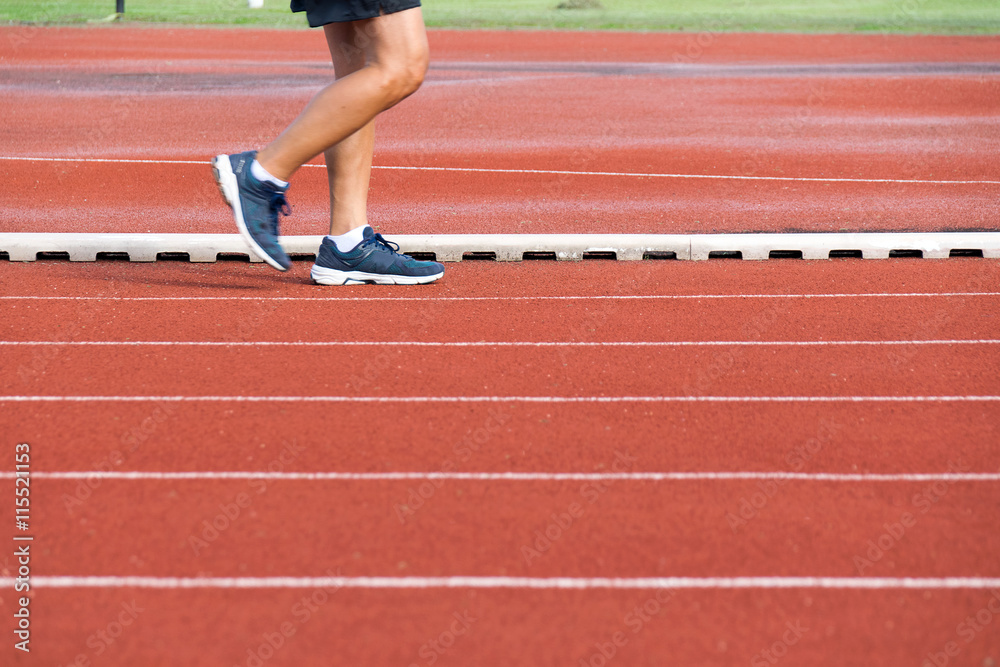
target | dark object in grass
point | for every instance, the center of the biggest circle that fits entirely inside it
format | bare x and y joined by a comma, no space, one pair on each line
580,4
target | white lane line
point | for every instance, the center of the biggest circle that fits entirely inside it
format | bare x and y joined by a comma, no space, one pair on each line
357,343
500,399
545,583
510,476
419,299
545,172
99,160
726,177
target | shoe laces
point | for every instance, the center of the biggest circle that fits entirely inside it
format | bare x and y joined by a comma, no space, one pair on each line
280,207
379,241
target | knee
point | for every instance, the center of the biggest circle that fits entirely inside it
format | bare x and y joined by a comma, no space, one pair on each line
400,80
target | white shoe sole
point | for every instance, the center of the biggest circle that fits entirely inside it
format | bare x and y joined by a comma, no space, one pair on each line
230,190
324,276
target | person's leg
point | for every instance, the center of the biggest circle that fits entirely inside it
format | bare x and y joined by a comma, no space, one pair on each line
354,253
395,69
349,162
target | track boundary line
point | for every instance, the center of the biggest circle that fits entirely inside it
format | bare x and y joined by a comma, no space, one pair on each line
411,343
149,247
545,583
543,172
498,399
418,299
139,475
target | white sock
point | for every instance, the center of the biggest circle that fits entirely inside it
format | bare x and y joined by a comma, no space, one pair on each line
263,175
350,240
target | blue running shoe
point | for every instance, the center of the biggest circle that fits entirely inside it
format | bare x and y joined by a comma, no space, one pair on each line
255,205
374,260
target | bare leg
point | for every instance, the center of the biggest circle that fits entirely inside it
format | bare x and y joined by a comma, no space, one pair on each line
349,163
398,56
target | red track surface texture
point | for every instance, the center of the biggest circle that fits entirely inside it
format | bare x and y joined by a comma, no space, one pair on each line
872,372
750,107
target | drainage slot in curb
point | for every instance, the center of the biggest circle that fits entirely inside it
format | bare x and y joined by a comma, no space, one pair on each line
965,252
906,253
725,254
5,256
785,254
52,255
302,256
843,254
232,257
112,257
659,254
538,254
600,254
479,256
173,257
423,256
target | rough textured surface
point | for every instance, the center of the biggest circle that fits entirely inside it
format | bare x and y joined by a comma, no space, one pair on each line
182,108
631,528
828,107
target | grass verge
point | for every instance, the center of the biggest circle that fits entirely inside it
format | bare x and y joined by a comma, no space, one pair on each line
846,16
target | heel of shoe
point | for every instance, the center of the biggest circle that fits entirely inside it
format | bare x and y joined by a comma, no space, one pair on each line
322,276
217,173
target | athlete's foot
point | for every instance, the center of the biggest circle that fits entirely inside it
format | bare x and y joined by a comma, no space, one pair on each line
374,260
256,205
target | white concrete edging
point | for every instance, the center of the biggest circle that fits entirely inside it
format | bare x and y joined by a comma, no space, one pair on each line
23,247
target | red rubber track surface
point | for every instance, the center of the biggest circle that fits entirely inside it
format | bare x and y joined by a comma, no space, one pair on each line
170,94
783,106
101,527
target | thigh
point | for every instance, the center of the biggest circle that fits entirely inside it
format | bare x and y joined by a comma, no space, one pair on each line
350,45
322,12
399,40
396,39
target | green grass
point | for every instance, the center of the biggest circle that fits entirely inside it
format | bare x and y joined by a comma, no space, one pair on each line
904,16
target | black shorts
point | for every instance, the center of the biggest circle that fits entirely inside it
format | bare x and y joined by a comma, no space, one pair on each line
321,12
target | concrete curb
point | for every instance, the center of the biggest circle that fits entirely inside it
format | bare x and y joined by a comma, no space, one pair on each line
516,247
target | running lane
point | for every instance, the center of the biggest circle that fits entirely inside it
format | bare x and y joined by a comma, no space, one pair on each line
927,330
861,108
867,116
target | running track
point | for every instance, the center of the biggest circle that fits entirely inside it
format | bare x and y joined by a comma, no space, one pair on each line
743,429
